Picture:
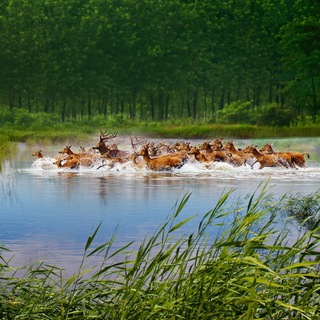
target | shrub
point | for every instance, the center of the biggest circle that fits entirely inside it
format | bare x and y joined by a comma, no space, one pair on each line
6,116
305,208
274,115
236,112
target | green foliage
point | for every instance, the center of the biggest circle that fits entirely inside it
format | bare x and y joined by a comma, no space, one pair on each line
250,271
305,208
149,60
22,118
271,114
6,116
7,148
235,113
274,115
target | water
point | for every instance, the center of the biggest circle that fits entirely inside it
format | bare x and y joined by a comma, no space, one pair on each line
48,213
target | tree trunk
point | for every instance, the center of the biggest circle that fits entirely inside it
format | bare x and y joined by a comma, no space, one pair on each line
133,105
161,108
188,105
29,101
151,106
221,102
64,109
104,105
314,100
89,107
213,96
270,98
229,97
194,104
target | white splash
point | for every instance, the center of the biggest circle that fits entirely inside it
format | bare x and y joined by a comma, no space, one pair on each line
217,170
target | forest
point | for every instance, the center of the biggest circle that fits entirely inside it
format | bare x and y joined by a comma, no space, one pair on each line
222,61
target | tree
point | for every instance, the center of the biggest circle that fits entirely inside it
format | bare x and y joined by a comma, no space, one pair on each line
301,47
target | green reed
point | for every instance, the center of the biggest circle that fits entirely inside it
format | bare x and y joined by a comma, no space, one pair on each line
6,148
304,208
250,270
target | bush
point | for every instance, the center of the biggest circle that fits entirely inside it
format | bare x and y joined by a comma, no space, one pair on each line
305,209
6,116
44,120
236,112
273,115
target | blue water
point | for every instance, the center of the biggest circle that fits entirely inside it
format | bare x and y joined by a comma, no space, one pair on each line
48,213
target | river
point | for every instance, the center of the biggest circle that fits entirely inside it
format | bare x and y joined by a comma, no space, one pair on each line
48,213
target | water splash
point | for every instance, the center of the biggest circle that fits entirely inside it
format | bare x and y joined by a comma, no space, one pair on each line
217,170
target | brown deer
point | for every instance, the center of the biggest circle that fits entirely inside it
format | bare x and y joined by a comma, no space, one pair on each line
198,155
101,145
161,163
294,158
84,159
71,162
216,145
110,152
269,160
242,156
213,154
38,154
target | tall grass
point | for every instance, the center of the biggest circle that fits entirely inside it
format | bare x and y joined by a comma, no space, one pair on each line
7,149
240,131
305,208
186,129
250,271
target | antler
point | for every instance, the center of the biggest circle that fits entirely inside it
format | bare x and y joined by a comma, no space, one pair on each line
106,135
136,142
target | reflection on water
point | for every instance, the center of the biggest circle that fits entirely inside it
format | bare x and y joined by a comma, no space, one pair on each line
48,213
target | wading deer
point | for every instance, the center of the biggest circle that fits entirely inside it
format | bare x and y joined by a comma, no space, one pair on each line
38,154
84,159
294,158
71,162
161,163
269,160
239,156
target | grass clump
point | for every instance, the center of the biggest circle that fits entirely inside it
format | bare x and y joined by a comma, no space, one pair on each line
249,271
305,208
7,149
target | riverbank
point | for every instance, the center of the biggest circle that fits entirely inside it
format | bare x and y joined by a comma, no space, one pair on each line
61,132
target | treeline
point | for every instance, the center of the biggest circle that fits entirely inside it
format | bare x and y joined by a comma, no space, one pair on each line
159,60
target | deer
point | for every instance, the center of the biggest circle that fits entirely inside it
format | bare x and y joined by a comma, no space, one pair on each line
38,154
294,158
180,146
216,145
67,150
215,155
199,156
161,163
101,145
110,152
269,160
84,159
239,156
71,162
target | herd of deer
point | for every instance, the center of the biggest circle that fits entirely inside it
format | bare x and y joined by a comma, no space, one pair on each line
162,156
